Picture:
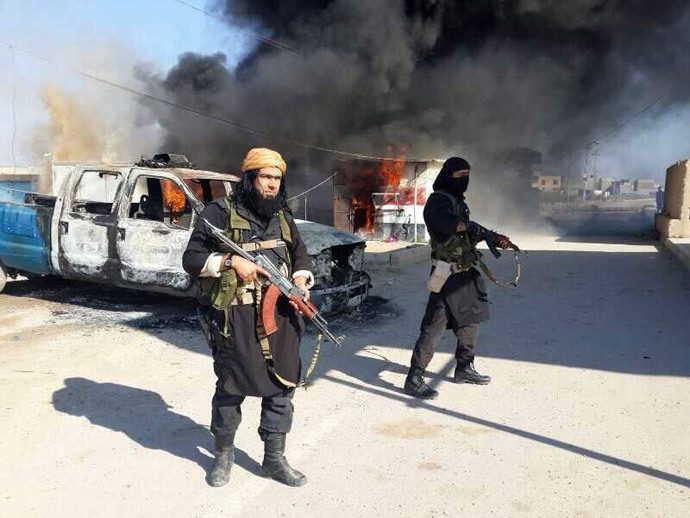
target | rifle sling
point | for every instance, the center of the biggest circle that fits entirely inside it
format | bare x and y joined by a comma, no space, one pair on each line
263,342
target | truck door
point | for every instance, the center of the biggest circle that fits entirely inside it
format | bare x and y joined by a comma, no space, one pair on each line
86,230
154,226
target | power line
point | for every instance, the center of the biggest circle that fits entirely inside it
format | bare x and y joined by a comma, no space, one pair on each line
629,120
619,127
314,187
261,37
221,120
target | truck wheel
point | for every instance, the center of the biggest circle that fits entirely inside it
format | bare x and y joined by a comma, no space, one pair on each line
3,277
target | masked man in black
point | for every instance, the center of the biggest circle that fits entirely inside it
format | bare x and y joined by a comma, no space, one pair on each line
458,298
246,362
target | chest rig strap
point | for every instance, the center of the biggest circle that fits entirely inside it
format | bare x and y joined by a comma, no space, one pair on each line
463,255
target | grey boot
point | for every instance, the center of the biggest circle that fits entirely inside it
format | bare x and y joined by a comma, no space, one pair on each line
275,464
465,373
225,458
416,386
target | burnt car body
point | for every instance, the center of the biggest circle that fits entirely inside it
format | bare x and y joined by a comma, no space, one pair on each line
128,225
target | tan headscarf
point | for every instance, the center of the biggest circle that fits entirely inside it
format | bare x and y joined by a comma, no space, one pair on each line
259,157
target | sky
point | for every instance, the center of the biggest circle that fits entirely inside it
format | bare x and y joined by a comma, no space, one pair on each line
109,38
103,37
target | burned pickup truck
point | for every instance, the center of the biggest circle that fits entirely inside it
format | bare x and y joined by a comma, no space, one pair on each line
128,225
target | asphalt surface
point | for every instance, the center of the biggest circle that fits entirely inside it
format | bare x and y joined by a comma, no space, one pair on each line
105,401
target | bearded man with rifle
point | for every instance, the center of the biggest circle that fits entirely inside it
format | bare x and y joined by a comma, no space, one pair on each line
248,360
458,298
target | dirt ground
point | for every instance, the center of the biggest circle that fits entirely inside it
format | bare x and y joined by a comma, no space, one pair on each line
105,401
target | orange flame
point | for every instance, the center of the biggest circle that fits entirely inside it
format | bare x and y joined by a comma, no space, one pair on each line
386,176
366,224
173,199
391,170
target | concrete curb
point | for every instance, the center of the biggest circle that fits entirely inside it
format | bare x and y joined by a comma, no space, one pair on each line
680,248
397,258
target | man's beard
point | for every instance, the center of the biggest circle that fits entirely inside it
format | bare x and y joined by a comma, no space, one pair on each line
265,208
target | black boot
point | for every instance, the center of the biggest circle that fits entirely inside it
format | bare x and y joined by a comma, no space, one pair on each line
416,386
465,373
225,458
275,464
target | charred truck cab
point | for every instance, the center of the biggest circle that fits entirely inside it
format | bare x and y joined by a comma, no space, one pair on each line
128,225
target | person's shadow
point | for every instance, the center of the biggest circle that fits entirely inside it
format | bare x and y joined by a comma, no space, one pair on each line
144,417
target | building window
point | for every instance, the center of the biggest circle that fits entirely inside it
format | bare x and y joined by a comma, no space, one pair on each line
555,182
543,182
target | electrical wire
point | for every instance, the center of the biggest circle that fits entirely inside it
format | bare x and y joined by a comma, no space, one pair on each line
261,37
215,118
313,188
629,120
616,129
254,131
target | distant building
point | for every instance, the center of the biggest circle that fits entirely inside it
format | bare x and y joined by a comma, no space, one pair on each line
647,187
626,187
622,187
548,182
588,186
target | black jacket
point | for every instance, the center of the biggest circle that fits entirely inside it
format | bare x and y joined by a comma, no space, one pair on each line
441,220
238,363
464,294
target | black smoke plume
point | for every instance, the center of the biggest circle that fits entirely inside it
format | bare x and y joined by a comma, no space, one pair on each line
489,80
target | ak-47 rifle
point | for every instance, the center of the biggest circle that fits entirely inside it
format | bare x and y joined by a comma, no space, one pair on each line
279,285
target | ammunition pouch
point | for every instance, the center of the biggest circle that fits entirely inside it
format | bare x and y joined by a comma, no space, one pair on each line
220,291
457,249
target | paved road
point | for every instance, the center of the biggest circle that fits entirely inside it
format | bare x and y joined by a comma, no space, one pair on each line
104,402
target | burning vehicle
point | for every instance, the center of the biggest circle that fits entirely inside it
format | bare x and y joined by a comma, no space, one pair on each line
128,225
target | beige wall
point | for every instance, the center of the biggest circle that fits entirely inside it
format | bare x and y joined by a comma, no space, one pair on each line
675,219
677,196
545,182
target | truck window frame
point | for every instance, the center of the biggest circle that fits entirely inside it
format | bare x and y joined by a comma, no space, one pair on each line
115,195
127,199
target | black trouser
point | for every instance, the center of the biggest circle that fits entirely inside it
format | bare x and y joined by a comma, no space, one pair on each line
276,414
433,325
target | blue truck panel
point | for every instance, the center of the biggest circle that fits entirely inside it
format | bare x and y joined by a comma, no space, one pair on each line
14,191
25,237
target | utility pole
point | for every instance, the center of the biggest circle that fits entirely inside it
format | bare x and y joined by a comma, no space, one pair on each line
567,189
595,154
586,173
